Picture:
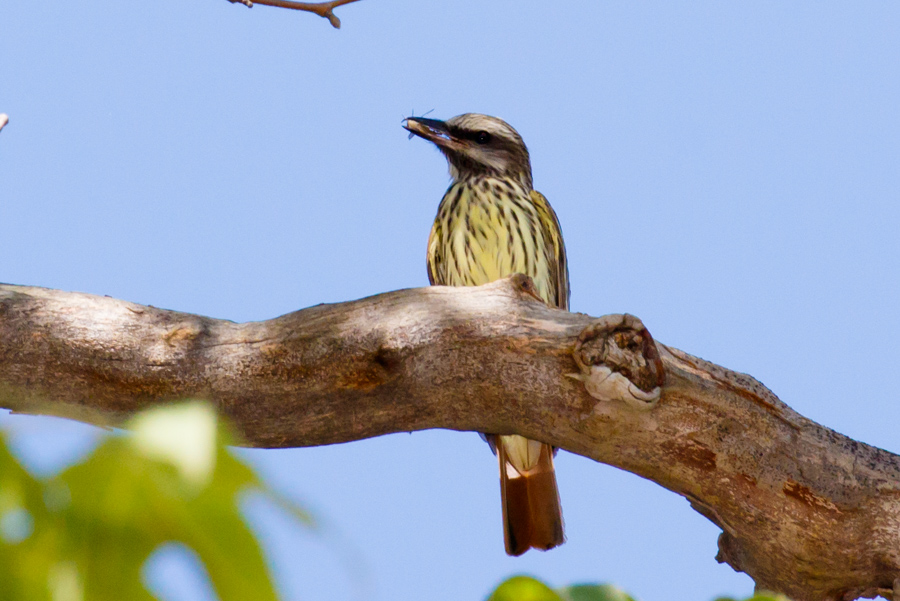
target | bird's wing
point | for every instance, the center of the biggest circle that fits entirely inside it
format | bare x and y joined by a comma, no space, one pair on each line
558,263
433,258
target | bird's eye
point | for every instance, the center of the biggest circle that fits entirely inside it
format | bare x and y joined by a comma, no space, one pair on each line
483,137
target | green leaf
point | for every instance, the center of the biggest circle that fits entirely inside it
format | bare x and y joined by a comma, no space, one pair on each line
594,592
526,588
91,529
28,540
523,588
761,596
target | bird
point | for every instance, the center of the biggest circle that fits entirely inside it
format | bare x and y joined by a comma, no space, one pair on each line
490,224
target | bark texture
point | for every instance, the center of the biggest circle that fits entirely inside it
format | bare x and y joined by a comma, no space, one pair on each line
804,510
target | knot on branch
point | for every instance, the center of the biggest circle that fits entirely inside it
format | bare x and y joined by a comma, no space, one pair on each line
619,361
524,286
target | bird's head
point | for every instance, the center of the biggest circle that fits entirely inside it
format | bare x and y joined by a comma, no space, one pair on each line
476,145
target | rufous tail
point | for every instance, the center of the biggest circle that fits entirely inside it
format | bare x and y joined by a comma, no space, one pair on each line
532,516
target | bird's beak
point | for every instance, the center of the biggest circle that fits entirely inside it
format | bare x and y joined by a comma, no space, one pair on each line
433,131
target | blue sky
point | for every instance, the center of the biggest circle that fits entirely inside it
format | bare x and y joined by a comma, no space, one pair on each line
727,171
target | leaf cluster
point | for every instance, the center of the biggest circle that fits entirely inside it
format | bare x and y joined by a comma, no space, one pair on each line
526,588
87,532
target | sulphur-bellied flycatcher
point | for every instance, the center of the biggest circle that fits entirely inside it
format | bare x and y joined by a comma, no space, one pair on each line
490,224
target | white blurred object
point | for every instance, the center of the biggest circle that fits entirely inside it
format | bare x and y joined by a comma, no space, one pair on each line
4,119
184,435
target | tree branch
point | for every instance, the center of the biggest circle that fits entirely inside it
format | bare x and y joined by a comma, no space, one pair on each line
323,9
803,509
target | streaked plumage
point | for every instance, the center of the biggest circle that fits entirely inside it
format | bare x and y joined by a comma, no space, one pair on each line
491,224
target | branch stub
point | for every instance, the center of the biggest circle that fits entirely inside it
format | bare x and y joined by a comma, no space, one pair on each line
619,361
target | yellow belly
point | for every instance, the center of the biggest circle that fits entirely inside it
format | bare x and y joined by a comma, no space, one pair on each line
480,239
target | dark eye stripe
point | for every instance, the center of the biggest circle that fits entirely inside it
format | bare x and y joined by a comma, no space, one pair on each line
477,135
